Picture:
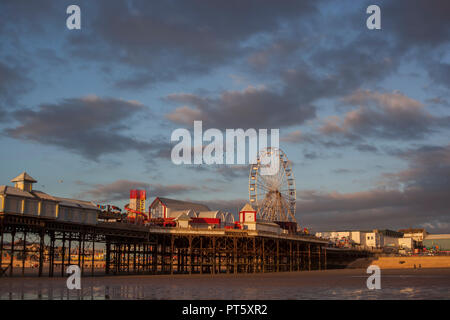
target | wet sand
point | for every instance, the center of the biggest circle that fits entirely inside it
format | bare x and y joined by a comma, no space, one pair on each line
329,284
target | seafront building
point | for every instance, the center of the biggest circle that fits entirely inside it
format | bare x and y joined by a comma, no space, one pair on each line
417,235
24,200
437,242
369,239
403,240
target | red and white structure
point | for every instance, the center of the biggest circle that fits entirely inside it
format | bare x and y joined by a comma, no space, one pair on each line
247,214
248,221
136,207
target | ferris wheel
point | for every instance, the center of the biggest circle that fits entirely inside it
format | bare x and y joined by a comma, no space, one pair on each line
272,192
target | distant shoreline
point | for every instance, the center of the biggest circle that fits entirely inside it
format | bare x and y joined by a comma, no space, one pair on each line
422,262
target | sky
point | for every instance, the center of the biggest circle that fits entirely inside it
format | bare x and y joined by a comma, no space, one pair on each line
363,114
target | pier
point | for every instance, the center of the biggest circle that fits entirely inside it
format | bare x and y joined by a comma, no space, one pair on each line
135,249
42,235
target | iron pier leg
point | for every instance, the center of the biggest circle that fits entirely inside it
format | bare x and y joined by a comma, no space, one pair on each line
82,257
163,255
290,256
108,257
51,255
134,258
128,258
63,253
190,254
263,257
254,255
1,245
24,253
309,257
41,253
11,262
79,252
93,255
278,255
201,255
172,240
70,250
320,257
214,255
235,262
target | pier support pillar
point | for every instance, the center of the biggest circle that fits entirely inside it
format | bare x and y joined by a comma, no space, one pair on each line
1,245
214,255
309,257
82,254
278,256
235,262
134,257
41,253
63,254
108,257
93,256
254,256
24,253
11,259
51,257
190,254
319,257
172,241
291,257
263,257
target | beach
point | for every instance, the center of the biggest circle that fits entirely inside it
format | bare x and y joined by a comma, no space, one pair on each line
329,284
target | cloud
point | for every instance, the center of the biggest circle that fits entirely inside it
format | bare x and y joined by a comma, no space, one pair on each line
120,190
293,137
90,126
429,168
228,172
378,117
416,196
386,115
14,82
233,206
250,108
431,28
172,39
346,171
366,148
